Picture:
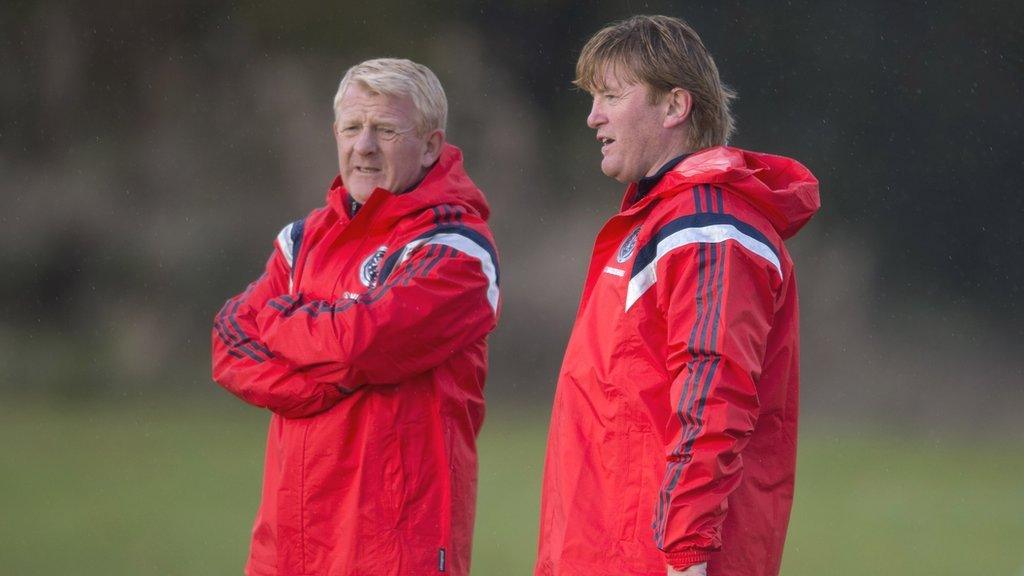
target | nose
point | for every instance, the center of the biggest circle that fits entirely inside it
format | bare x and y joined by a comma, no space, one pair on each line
366,142
596,118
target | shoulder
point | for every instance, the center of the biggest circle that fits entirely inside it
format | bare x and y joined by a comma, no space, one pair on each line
290,239
460,230
711,214
444,221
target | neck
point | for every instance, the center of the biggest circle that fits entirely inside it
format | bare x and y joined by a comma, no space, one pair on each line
670,154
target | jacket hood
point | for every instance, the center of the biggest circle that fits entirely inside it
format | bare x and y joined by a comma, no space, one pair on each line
445,183
781,188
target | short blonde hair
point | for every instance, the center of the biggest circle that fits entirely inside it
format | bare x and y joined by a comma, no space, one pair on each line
400,77
664,53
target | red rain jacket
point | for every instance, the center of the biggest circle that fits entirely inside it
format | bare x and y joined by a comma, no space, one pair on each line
366,337
673,433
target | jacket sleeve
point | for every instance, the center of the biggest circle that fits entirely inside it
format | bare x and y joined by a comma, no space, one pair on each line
719,301
442,298
244,365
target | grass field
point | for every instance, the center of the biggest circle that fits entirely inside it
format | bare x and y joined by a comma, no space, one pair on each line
139,489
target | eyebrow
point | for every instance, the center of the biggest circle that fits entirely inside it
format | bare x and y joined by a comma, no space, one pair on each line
381,121
385,123
620,89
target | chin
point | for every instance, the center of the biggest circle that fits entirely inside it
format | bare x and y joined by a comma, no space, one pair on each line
616,175
361,195
615,171
610,171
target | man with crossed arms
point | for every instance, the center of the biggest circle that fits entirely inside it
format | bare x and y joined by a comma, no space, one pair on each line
366,338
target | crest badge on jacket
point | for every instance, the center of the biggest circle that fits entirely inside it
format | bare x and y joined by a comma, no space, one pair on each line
628,245
369,271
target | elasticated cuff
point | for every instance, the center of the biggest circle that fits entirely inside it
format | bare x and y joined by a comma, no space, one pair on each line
685,559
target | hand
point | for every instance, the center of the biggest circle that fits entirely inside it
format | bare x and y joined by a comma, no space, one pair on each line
695,570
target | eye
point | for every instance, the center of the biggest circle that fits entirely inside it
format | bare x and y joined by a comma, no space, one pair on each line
351,129
386,132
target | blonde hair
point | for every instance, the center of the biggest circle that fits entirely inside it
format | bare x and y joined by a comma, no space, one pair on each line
400,77
664,53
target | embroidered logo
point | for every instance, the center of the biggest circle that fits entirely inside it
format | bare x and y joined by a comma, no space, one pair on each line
370,269
628,245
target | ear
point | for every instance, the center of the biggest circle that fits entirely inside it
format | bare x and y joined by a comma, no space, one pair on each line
334,132
433,149
679,104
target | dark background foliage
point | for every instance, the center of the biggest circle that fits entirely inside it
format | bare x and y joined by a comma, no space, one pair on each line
149,154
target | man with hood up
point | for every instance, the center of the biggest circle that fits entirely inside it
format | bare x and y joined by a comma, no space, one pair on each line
366,338
672,445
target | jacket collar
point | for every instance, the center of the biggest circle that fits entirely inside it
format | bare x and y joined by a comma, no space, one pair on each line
638,191
445,183
647,183
781,188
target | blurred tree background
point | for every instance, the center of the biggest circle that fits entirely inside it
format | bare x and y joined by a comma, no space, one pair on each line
150,152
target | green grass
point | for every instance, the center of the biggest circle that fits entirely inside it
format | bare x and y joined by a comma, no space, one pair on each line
887,505
171,489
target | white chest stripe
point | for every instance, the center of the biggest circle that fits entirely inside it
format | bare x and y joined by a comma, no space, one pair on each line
713,234
285,244
466,246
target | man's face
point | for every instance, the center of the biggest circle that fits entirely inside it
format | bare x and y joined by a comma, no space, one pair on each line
634,140
379,145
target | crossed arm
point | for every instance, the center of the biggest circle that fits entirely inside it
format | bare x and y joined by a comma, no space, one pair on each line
298,355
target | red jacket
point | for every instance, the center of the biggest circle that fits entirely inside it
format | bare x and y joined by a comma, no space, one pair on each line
366,337
673,433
